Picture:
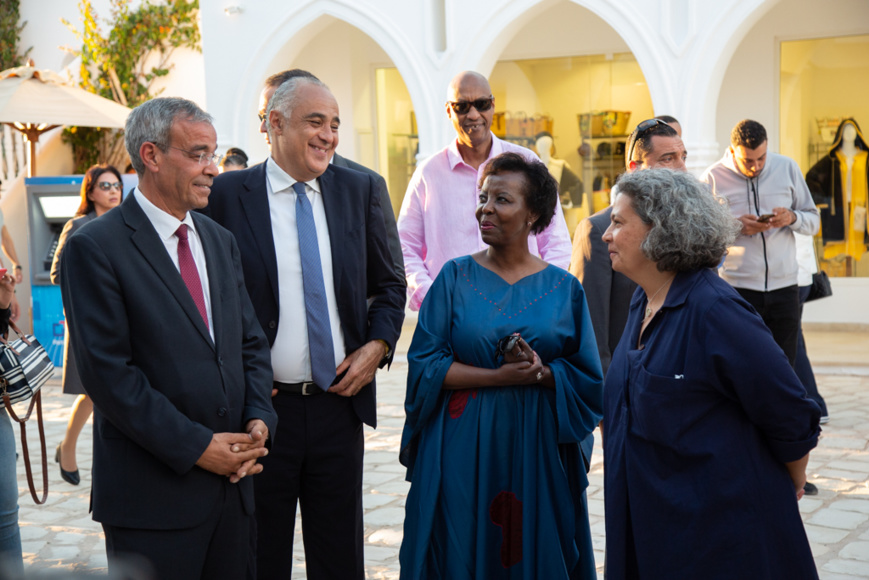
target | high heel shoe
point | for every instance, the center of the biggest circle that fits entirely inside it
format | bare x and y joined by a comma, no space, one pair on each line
71,477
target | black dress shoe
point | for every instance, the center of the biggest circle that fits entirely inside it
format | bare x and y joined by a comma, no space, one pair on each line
68,476
810,488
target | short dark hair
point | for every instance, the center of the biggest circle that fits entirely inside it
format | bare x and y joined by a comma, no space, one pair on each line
90,181
642,139
237,160
541,190
280,78
668,119
237,151
749,134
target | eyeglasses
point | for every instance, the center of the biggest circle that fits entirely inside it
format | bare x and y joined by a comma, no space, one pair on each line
463,107
203,158
107,185
261,117
638,134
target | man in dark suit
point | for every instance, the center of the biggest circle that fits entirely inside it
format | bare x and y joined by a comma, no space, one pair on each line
168,343
652,144
327,342
271,84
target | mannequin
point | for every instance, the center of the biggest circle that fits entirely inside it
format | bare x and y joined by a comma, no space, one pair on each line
839,183
569,185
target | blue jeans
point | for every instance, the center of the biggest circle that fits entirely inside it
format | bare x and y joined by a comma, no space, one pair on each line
11,564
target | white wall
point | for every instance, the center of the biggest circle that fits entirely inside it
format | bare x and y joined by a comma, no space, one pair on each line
751,85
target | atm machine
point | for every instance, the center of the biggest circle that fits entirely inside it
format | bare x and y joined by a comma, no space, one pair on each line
51,202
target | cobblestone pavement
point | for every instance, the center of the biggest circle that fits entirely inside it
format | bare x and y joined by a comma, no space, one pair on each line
60,536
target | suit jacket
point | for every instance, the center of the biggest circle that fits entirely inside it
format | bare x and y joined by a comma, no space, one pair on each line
71,382
161,387
361,261
385,206
608,292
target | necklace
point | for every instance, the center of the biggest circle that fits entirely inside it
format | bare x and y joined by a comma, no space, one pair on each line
649,303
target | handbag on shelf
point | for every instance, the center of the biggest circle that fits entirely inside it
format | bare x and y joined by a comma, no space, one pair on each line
821,287
24,368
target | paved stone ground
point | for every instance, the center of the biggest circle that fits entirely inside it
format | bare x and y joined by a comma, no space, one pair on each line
60,537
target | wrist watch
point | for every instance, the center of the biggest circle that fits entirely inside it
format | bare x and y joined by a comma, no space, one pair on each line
385,344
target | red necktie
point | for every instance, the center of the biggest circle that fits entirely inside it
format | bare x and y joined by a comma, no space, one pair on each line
189,273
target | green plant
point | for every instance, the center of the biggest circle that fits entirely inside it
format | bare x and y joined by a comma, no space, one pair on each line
124,64
10,34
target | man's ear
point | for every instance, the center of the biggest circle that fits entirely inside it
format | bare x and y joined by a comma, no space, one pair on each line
149,152
633,165
276,121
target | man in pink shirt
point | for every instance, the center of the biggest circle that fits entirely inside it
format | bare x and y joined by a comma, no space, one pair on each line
437,221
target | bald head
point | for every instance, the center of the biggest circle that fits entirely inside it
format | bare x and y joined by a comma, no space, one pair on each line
467,79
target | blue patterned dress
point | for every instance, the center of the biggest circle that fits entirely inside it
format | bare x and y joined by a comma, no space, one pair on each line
497,478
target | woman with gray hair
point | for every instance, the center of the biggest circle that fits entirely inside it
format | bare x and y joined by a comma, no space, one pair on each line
706,427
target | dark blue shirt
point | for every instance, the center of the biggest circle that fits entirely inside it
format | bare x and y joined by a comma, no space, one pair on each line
700,416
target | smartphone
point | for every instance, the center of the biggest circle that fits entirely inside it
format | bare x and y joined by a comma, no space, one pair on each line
765,217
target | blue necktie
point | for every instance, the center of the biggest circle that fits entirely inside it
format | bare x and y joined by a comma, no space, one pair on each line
316,310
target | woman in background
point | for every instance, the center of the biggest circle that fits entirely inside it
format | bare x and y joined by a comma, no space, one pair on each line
101,190
11,564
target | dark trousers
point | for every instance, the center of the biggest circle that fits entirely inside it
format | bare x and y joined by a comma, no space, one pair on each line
215,549
803,367
317,460
780,310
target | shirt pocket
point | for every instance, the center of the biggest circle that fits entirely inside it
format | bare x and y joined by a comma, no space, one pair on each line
664,408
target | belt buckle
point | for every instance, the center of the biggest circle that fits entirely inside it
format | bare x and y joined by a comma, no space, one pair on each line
308,388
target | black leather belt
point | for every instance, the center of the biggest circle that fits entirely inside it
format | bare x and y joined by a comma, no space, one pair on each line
298,388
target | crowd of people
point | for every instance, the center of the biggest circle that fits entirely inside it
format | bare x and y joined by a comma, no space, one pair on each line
225,325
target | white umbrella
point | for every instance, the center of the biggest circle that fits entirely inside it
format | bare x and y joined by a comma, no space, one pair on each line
35,101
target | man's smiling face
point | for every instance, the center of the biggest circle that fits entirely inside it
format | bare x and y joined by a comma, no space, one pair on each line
304,143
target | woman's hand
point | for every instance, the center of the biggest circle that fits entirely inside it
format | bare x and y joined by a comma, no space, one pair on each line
523,373
797,471
7,290
521,353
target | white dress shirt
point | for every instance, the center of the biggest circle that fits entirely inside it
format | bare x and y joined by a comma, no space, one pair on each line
166,226
291,360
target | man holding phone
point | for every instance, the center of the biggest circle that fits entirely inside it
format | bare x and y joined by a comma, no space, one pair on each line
768,195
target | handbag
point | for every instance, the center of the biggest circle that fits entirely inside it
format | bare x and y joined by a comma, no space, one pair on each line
24,368
821,287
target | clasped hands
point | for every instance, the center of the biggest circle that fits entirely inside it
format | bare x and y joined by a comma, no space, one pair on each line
522,366
235,455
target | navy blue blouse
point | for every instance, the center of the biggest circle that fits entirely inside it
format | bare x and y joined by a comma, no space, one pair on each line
700,416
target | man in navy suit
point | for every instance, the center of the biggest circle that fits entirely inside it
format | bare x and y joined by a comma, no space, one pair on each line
167,342
314,250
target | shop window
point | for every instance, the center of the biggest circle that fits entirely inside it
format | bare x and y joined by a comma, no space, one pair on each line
824,83
396,133
588,104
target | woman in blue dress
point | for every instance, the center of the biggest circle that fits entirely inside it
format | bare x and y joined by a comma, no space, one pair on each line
491,441
707,429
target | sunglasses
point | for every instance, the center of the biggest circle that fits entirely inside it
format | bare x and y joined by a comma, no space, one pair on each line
638,134
107,185
463,107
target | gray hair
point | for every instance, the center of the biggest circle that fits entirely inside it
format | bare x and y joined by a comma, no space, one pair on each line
285,97
690,227
151,122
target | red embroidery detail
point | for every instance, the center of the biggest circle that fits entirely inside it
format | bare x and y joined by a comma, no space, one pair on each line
459,400
495,304
506,512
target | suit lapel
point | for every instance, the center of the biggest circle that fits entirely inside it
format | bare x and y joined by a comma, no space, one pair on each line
335,217
151,247
255,201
